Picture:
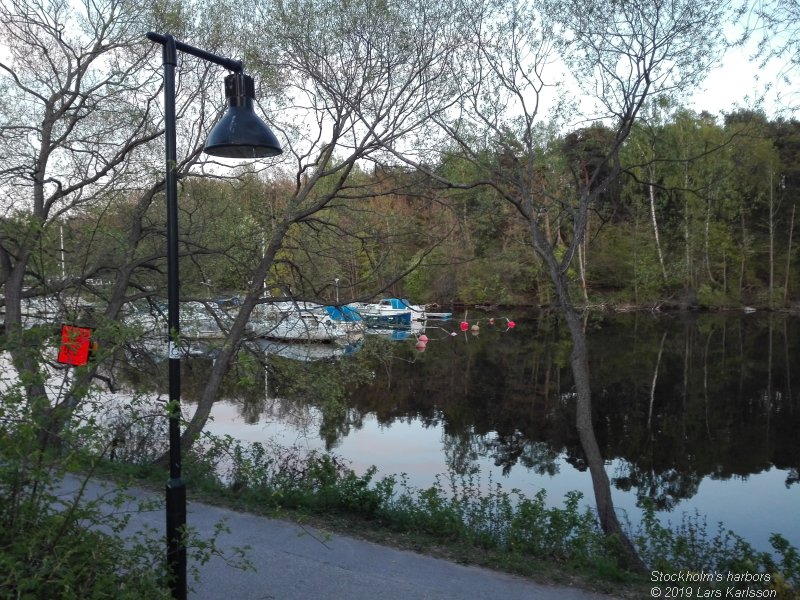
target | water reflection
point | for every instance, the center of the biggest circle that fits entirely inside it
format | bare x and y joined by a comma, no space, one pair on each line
678,400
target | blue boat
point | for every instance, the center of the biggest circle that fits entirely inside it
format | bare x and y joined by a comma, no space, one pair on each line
389,312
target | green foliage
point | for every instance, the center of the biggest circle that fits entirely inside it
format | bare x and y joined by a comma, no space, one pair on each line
57,540
55,558
709,297
462,511
690,547
721,207
51,547
483,283
287,478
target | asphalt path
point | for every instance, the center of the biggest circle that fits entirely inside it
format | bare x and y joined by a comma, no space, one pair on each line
296,563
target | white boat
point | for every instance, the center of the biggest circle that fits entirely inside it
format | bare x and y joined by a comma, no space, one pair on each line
40,310
432,314
200,321
304,322
389,312
197,321
397,312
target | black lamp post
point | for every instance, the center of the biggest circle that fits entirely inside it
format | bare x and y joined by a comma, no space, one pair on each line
239,134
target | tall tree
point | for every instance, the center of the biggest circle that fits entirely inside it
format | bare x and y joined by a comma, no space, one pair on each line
755,186
82,154
622,55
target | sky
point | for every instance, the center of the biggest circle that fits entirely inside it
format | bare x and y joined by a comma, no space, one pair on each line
738,81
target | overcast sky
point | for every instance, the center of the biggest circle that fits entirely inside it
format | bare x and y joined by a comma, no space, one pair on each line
739,81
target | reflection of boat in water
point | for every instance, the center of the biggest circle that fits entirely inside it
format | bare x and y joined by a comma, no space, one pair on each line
392,333
414,329
156,349
306,352
305,322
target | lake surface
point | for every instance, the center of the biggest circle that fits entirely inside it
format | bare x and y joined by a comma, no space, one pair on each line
695,412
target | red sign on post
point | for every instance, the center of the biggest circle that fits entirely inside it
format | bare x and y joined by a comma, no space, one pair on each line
74,345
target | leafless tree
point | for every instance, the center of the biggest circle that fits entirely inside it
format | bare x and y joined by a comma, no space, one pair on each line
77,107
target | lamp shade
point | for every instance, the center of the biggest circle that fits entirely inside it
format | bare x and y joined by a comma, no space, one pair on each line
240,133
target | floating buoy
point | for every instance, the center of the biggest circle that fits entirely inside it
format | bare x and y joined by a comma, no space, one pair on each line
491,321
423,338
464,325
511,324
421,346
475,329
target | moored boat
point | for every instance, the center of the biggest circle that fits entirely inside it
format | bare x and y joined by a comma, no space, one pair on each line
307,322
390,312
197,321
397,312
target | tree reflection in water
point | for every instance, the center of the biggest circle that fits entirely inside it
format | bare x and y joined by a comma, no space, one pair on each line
676,399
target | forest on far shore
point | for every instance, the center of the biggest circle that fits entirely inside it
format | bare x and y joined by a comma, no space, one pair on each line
704,215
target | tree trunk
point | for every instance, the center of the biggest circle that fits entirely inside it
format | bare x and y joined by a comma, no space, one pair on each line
707,244
583,420
744,255
771,243
24,356
687,237
229,348
788,258
579,362
582,272
652,190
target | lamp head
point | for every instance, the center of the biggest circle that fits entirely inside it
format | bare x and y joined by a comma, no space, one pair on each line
240,133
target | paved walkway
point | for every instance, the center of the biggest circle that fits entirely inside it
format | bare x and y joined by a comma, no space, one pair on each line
292,565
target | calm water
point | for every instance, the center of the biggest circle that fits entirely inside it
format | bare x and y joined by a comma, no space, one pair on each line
697,412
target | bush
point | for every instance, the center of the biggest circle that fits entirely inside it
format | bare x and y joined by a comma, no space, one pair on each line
508,523
689,547
52,546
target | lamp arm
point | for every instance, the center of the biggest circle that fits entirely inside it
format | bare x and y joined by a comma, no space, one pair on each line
236,66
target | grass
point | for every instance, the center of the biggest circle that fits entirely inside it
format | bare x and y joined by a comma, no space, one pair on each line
461,520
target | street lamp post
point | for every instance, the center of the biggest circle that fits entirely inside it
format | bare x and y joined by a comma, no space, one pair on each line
239,134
